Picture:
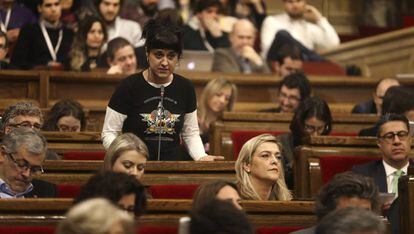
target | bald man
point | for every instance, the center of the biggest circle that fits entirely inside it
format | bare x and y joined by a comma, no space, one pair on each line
373,106
241,56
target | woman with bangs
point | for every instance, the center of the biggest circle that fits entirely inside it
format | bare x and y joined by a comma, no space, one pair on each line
259,170
156,104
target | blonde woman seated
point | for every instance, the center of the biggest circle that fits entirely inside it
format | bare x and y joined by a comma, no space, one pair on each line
259,170
126,154
218,96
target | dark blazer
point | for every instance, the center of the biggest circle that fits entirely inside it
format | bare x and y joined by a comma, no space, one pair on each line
42,189
376,171
226,60
368,107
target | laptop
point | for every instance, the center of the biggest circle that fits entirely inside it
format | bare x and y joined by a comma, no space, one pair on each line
195,60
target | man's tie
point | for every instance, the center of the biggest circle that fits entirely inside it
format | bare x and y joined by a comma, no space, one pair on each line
397,175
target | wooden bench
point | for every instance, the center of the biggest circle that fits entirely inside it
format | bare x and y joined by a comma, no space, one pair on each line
61,142
181,172
308,172
220,135
160,212
406,202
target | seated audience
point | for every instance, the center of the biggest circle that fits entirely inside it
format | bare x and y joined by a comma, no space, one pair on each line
221,190
342,191
203,30
96,216
293,89
312,118
397,100
4,47
127,154
218,96
253,10
65,116
22,114
351,220
259,170
86,52
373,106
285,61
218,216
121,189
241,56
139,11
115,25
394,142
301,25
70,10
14,16
121,57
22,154
45,44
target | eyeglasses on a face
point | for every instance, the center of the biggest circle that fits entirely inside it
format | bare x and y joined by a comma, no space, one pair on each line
389,137
24,165
27,124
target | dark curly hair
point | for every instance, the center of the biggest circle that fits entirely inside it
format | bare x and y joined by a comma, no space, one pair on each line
113,186
68,107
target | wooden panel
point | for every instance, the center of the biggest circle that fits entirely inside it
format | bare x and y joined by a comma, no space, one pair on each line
406,202
18,86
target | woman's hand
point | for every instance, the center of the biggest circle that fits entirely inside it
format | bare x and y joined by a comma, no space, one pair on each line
211,158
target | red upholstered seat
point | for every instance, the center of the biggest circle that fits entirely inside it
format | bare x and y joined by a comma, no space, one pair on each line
323,68
332,165
27,229
157,230
277,230
175,191
68,190
241,137
84,155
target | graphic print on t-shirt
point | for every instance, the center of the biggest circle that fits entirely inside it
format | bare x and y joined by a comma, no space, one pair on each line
160,121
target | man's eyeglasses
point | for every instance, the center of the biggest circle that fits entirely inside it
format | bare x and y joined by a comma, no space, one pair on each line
289,98
24,165
27,124
389,137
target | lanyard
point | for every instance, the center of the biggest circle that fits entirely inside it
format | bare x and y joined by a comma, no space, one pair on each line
3,26
53,51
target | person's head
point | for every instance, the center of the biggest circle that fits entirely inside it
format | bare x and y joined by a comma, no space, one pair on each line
351,220
66,116
127,154
22,114
123,190
207,10
218,216
312,118
163,45
4,45
170,15
293,89
96,216
345,190
49,10
150,7
108,9
243,34
260,164
381,88
22,153
219,95
121,53
393,139
399,100
288,59
92,32
221,190
295,8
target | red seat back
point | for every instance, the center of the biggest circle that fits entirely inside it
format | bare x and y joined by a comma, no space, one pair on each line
27,229
277,230
332,165
175,191
100,155
241,137
68,190
323,68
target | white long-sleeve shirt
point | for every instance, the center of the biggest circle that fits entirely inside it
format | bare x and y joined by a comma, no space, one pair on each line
317,36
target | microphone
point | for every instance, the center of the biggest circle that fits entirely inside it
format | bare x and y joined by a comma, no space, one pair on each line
160,119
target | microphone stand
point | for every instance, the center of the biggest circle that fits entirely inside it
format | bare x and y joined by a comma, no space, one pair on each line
160,118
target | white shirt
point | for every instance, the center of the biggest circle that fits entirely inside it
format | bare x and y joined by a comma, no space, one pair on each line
127,29
389,172
317,36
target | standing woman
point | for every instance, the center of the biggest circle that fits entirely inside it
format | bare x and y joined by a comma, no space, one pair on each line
157,105
87,45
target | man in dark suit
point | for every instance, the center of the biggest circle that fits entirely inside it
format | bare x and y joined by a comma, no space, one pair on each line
22,153
394,142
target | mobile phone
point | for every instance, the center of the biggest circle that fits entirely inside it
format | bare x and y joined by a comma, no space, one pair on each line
411,128
184,225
